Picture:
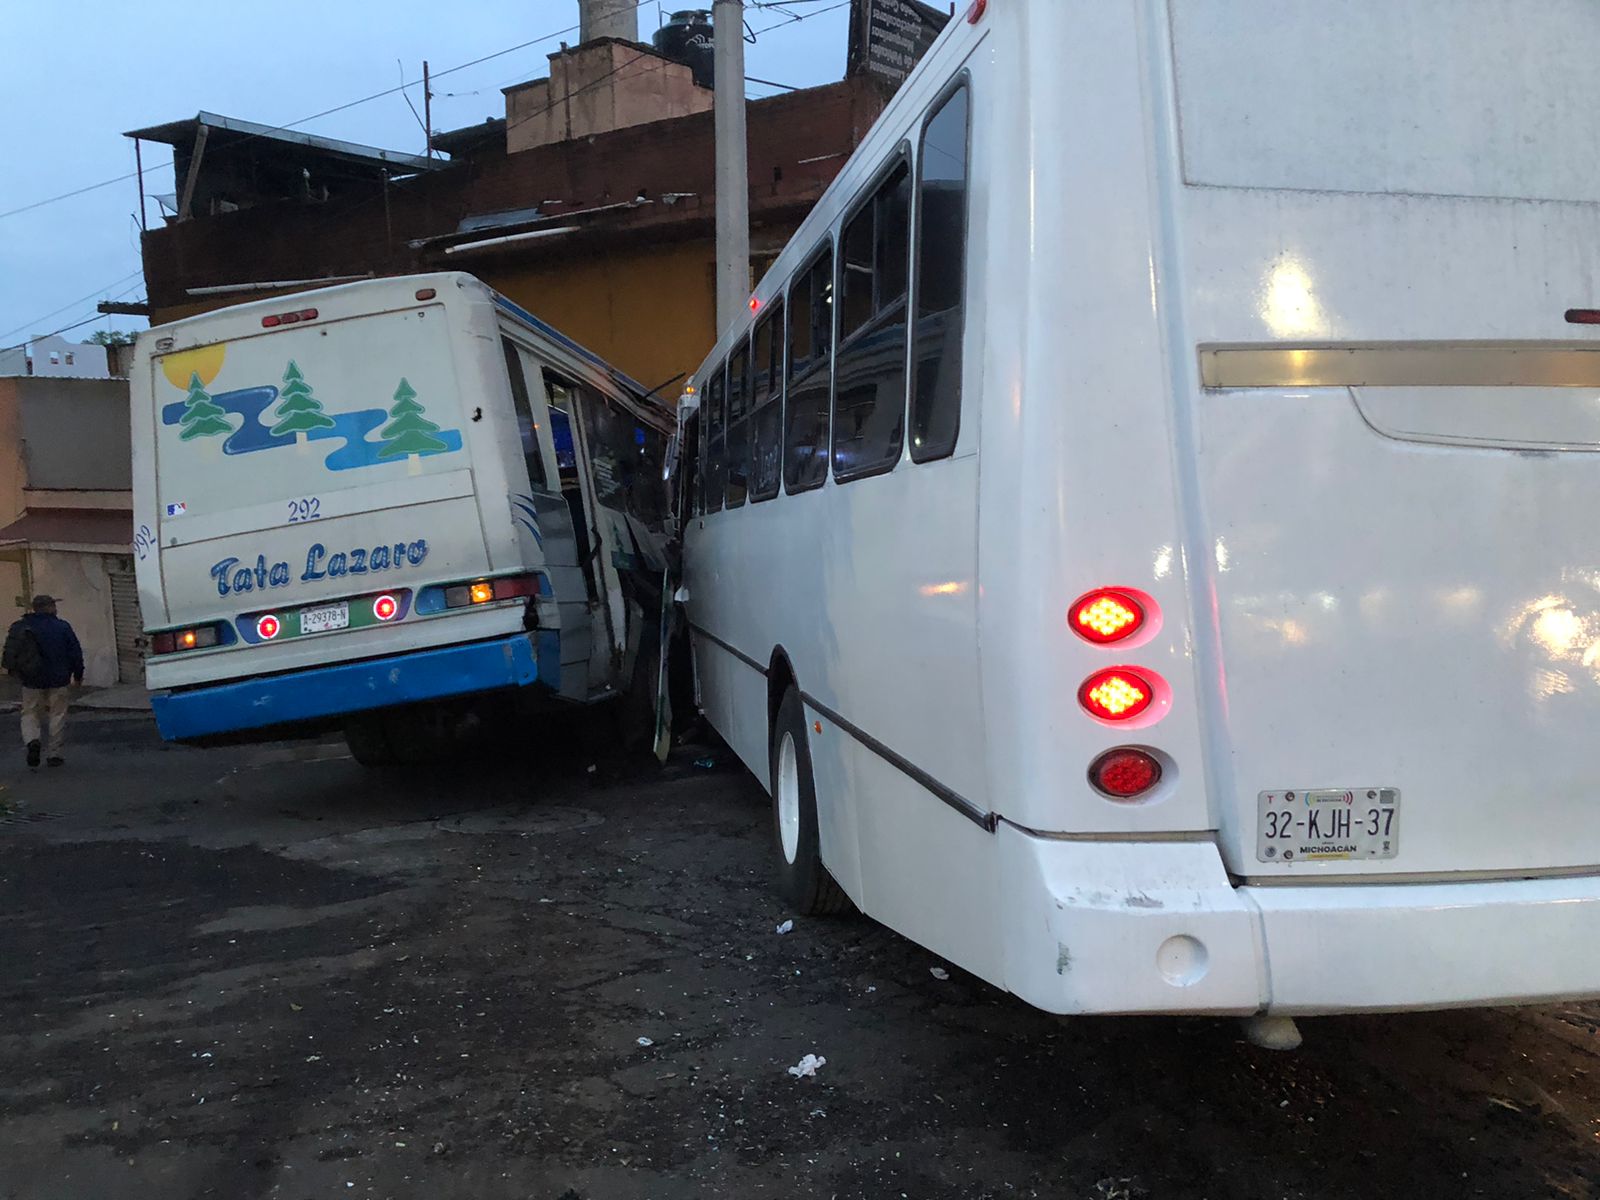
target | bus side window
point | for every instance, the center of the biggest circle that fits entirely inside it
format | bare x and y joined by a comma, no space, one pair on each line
941,279
870,368
766,403
805,454
716,481
739,425
527,419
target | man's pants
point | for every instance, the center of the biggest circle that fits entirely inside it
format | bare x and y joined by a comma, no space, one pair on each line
42,706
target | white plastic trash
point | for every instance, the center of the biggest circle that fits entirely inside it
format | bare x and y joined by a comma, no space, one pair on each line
808,1066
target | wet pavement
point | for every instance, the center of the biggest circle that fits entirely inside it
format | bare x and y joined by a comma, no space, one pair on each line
263,971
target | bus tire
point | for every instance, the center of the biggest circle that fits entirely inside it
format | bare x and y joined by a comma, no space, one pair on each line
368,740
802,878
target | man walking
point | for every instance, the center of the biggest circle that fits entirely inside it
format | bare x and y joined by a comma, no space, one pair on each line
42,651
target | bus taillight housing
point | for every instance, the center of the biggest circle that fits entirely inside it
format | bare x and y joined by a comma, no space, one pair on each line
1125,773
1107,615
1117,694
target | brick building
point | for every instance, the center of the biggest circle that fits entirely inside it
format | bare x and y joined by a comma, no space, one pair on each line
608,234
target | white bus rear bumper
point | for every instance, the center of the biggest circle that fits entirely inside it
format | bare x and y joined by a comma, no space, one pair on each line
1157,927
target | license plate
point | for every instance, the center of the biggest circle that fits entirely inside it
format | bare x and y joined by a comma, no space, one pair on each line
1327,824
325,617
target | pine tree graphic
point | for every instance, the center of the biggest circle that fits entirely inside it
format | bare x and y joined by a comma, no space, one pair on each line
300,412
408,432
201,418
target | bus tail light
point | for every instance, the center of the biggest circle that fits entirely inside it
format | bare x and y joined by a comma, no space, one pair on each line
1107,615
482,591
1125,773
1116,694
273,320
197,637
385,607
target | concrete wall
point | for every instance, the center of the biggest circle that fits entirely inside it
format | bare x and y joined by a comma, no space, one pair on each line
596,88
82,584
75,433
13,475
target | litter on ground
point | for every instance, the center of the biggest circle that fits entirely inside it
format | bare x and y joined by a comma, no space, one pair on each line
807,1066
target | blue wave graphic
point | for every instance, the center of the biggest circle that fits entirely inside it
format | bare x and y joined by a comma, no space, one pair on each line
256,434
357,451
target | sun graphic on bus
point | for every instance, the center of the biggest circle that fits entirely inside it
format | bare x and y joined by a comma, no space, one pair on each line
204,361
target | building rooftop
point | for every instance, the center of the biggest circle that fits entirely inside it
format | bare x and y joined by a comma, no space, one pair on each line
232,131
70,527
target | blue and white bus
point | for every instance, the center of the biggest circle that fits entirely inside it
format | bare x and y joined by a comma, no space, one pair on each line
389,506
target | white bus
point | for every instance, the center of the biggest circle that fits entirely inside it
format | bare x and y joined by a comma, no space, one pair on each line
398,506
1145,531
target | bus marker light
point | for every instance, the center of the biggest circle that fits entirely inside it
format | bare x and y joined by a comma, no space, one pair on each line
385,607
1125,773
817,725
482,593
426,293
976,10
1107,615
267,627
1116,694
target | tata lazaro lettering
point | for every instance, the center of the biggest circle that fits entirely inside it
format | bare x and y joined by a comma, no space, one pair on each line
233,576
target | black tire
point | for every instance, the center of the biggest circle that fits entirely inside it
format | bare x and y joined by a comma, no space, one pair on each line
805,883
368,740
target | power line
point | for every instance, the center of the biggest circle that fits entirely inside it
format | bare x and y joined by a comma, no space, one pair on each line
89,320
327,112
99,291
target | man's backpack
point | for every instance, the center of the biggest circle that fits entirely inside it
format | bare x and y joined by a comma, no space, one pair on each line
22,655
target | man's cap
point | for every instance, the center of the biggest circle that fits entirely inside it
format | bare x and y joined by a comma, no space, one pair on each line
41,602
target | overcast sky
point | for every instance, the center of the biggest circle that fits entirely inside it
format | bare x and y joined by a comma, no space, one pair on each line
82,72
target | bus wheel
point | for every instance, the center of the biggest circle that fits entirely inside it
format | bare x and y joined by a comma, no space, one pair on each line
368,740
802,878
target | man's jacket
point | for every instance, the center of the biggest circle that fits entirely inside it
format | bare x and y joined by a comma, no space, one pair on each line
60,658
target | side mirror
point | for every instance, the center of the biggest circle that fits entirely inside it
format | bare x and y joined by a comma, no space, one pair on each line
669,461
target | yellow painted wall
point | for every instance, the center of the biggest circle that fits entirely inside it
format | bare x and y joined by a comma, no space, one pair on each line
650,312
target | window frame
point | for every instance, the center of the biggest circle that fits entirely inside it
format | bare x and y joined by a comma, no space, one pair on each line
740,353
827,248
714,405
961,82
864,197
775,318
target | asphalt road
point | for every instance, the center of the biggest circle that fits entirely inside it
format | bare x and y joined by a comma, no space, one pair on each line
265,972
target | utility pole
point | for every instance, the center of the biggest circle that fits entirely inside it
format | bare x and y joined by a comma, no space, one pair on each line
427,108
733,177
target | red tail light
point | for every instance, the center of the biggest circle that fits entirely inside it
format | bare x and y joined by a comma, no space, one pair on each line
268,626
288,318
1106,615
1118,694
1125,773
517,585
385,607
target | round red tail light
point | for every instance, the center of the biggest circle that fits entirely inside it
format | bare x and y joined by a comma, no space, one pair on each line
385,607
1125,773
1106,615
1117,694
267,627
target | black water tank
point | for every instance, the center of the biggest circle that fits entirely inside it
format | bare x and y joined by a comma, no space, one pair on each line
687,38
